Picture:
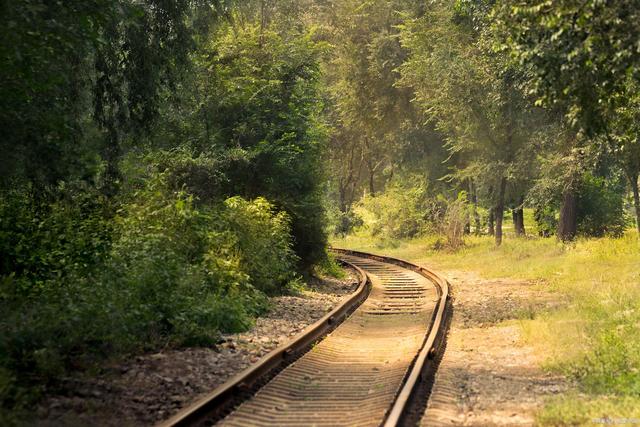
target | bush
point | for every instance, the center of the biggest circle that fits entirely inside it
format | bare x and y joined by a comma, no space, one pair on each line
601,207
546,220
342,223
47,239
264,242
167,271
201,174
454,221
172,261
402,211
50,250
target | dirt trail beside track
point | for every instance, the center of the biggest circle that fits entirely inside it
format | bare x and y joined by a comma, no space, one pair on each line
489,376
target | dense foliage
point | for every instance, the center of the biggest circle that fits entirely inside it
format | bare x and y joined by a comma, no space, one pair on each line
518,104
167,164
160,176
258,100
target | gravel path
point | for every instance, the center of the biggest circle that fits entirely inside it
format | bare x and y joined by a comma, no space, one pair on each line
152,387
488,376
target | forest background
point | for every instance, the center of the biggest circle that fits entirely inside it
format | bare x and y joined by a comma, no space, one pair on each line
166,165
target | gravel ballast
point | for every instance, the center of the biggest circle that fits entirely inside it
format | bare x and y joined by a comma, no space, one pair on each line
152,387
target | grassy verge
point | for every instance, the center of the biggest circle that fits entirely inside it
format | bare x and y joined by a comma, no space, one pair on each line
595,339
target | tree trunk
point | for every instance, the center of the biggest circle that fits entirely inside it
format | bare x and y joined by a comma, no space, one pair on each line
518,220
467,218
636,198
520,230
111,155
568,216
342,195
476,215
491,230
372,189
499,213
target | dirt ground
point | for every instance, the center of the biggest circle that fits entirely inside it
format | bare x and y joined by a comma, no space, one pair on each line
150,388
489,376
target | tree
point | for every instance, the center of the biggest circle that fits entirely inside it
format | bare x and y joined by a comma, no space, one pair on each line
578,56
78,71
624,137
578,53
255,109
368,113
472,94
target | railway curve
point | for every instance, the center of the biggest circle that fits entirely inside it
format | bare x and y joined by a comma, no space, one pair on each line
374,367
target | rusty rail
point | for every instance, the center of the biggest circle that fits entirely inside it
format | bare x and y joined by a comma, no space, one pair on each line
215,403
398,400
424,363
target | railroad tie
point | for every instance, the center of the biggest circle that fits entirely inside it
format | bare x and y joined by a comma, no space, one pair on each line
352,376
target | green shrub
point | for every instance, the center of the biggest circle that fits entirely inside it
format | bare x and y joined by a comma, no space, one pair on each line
546,218
601,207
168,276
342,223
170,259
43,240
165,271
201,174
402,211
330,267
264,242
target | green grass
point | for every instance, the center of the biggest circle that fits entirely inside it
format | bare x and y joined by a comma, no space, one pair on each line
578,410
593,339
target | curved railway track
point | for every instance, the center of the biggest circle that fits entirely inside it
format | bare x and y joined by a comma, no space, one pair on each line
373,369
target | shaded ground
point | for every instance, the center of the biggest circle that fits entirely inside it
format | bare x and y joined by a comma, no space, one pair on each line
488,376
150,388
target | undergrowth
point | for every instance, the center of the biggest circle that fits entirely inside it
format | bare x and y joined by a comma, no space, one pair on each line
85,278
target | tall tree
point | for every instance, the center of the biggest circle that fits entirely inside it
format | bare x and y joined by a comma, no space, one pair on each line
255,111
624,137
368,111
578,56
80,68
472,94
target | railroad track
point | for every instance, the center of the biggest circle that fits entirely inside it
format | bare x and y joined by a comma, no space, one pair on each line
374,368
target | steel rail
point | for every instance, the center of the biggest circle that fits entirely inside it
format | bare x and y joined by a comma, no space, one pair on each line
418,372
216,402
424,362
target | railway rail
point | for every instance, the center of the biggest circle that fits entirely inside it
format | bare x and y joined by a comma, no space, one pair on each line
373,368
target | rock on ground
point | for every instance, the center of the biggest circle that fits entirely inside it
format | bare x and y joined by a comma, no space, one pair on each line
150,388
